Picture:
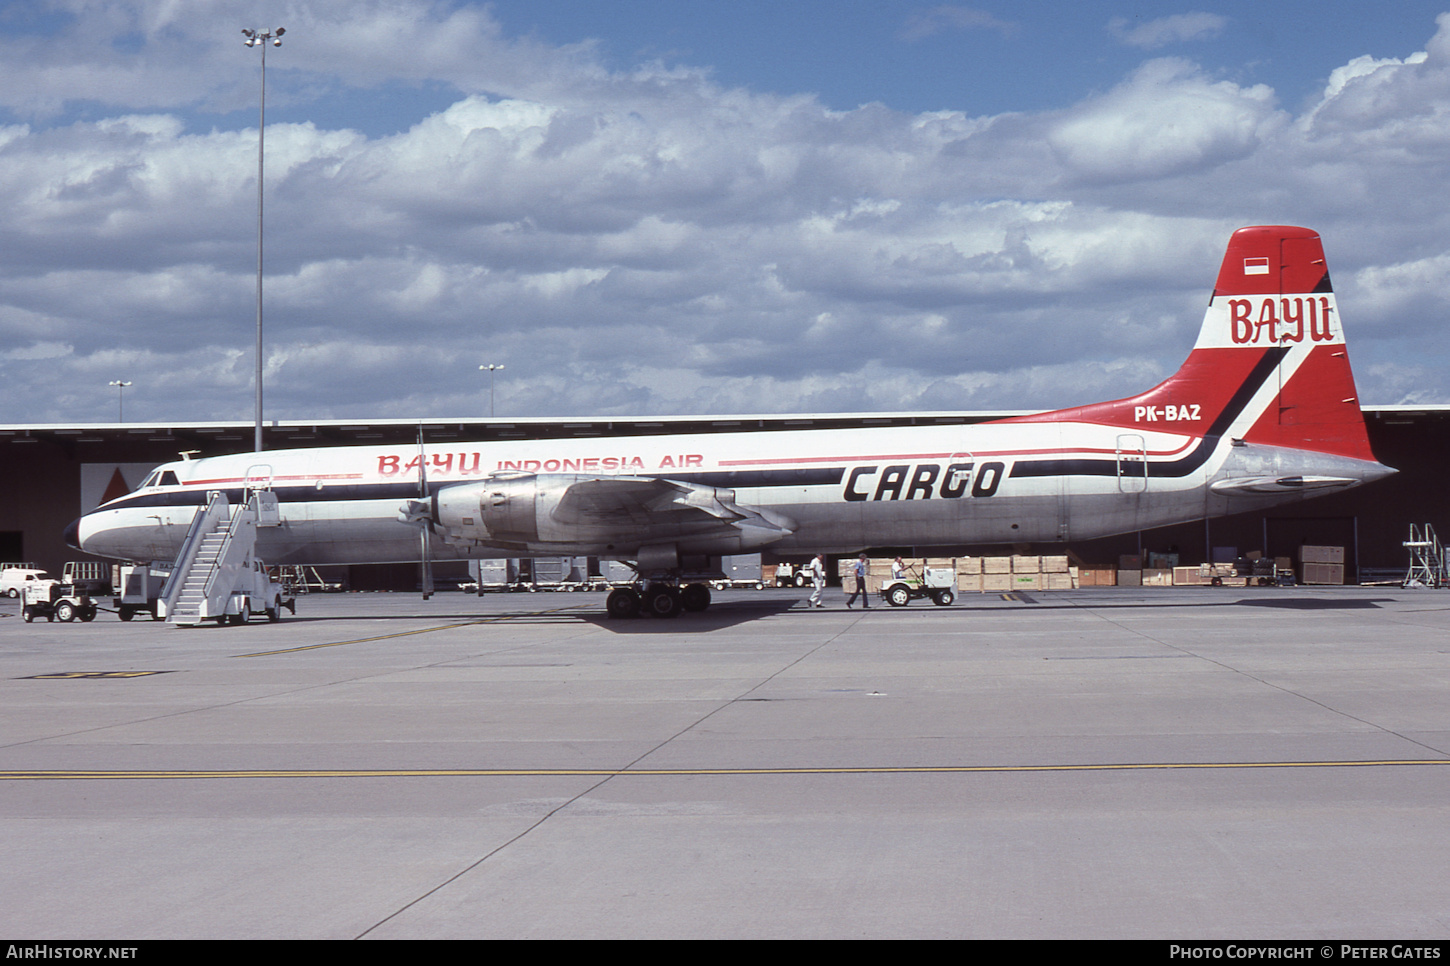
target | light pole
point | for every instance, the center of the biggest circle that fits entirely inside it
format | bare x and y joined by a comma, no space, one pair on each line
120,399
491,370
259,38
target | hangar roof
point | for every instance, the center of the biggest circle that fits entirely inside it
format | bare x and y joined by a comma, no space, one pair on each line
211,438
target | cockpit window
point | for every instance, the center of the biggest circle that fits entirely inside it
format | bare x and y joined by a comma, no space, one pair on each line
159,478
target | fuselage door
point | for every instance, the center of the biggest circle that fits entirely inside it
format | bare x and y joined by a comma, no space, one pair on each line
957,480
1132,455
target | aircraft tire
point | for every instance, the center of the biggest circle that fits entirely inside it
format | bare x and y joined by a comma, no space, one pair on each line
695,597
622,603
662,602
65,612
943,598
898,595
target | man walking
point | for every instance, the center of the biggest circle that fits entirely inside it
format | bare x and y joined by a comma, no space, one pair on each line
860,570
818,579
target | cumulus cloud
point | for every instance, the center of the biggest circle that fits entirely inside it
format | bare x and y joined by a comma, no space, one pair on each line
646,241
1162,31
1167,119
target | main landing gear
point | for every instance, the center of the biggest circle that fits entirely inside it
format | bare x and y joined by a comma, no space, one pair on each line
657,600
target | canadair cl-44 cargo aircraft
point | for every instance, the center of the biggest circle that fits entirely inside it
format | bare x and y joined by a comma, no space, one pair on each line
1264,411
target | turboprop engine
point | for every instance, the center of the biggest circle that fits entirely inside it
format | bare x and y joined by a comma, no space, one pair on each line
596,515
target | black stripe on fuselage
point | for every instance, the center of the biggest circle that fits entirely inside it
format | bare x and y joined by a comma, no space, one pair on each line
1185,464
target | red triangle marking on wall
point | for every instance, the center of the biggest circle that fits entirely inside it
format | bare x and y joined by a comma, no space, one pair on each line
115,489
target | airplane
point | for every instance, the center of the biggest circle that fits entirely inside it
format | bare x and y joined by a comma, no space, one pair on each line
1264,411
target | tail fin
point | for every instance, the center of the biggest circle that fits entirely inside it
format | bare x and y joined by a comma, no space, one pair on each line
1269,366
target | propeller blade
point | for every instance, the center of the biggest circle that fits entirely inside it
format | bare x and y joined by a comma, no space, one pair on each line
425,565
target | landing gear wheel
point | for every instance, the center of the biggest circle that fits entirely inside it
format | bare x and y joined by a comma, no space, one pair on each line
695,597
622,603
943,598
65,612
898,596
663,601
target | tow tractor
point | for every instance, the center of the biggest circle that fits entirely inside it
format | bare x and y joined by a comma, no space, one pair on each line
791,575
54,600
939,584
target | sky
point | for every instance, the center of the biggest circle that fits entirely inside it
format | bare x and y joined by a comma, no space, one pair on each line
685,208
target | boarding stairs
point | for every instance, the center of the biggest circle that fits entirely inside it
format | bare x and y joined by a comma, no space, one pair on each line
216,559
1428,564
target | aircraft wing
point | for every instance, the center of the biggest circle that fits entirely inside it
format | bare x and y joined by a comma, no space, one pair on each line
593,514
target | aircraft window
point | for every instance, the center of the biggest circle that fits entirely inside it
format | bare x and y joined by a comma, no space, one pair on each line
150,480
169,479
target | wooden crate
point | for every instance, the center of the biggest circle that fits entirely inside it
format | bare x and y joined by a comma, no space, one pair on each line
1188,577
1321,555
1323,573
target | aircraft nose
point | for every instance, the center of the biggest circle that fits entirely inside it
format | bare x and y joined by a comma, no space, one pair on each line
72,534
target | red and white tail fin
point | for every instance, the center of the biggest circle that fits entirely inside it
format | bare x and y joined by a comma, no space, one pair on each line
1269,366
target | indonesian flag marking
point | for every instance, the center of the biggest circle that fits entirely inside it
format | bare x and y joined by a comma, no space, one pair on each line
1256,266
